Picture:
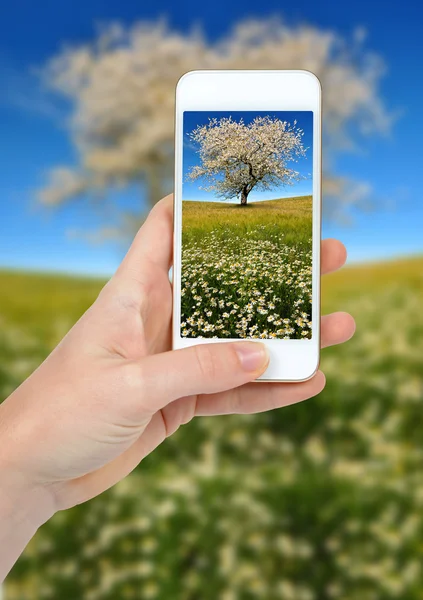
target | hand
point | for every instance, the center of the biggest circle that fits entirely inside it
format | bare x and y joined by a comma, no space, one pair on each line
112,390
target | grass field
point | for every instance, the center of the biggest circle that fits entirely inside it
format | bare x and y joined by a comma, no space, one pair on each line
246,270
227,220
318,501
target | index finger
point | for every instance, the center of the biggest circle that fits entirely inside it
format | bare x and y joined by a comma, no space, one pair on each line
333,255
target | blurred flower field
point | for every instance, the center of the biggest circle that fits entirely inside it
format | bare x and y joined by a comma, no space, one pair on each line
316,501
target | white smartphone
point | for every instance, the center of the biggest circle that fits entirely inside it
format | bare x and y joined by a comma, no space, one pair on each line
248,214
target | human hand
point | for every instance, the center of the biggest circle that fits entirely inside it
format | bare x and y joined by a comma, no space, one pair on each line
112,390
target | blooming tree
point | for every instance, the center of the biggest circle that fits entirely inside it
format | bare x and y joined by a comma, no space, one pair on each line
238,157
121,89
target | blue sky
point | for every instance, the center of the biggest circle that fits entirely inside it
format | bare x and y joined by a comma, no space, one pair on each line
33,136
192,189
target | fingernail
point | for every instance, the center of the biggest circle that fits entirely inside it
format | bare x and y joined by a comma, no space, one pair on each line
253,356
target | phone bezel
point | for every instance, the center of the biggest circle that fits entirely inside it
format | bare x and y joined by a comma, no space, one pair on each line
290,360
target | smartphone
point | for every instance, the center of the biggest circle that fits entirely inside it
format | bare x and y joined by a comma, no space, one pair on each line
248,214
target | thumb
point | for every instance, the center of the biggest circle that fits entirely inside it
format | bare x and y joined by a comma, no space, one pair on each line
200,369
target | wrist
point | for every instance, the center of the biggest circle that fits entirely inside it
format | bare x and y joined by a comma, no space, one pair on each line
23,509
24,505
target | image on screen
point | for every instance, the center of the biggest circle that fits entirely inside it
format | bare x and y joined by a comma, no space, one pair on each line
246,269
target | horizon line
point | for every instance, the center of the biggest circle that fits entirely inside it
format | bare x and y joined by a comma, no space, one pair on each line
251,201
89,275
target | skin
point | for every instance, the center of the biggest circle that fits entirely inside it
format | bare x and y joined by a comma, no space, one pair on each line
112,390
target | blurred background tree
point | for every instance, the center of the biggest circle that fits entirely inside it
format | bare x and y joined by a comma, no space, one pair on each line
122,89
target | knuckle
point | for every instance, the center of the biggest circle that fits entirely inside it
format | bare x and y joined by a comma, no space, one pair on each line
132,378
126,294
132,391
206,361
236,404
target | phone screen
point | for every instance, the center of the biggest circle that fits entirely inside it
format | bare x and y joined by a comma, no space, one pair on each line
247,211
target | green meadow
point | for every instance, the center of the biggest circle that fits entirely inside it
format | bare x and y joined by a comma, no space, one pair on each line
290,215
317,501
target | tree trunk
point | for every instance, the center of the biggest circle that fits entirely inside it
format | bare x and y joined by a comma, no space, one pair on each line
244,196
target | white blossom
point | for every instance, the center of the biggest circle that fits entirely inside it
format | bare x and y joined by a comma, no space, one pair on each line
237,157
